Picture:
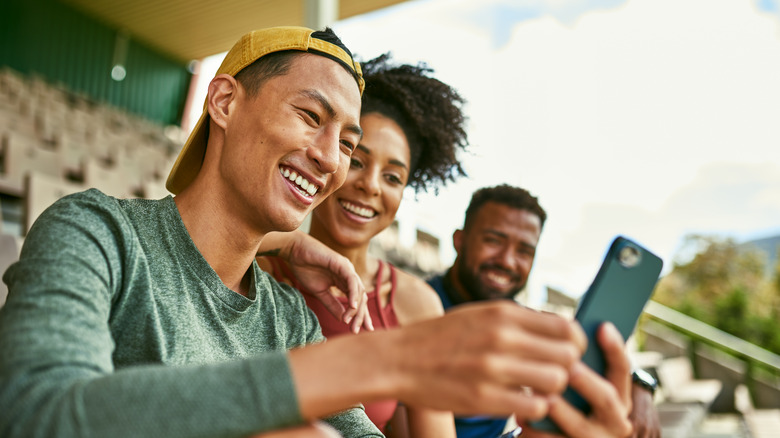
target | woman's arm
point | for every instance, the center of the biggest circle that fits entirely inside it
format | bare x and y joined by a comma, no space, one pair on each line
416,301
318,268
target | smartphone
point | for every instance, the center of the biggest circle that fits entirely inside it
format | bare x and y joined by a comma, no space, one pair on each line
618,294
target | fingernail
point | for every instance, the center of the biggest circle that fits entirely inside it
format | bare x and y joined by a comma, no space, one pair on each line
613,329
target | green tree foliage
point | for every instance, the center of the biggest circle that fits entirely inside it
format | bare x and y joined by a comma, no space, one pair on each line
728,286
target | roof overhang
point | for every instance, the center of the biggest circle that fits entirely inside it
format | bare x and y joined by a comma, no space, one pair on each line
194,29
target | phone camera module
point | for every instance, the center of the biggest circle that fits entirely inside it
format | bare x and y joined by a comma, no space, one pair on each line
629,256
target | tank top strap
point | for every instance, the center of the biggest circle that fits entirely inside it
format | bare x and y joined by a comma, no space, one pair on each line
391,296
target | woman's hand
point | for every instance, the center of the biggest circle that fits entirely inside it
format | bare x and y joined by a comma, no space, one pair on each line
318,268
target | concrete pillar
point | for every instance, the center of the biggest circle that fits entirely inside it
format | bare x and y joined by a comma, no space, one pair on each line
318,14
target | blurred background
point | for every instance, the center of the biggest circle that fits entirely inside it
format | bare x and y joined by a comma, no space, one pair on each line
654,119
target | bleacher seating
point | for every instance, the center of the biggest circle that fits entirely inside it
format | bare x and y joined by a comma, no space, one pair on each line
56,140
761,423
683,401
9,252
679,385
41,191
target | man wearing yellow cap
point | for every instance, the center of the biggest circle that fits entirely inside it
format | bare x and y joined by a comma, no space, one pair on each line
152,318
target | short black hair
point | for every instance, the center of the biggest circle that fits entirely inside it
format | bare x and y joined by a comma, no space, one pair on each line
504,194
429,112
253,76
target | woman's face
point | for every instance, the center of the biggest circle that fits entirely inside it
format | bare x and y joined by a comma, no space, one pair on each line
367,202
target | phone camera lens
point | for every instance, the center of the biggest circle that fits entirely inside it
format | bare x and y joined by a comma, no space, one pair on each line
629,256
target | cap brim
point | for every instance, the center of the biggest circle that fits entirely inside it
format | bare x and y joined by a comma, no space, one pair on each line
190,159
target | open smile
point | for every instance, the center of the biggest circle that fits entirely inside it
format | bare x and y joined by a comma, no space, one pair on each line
358,210
304,186
498,278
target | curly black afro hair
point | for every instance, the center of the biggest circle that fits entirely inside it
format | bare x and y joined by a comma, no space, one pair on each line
429,112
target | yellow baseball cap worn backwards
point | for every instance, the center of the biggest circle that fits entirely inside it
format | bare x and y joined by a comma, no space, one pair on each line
248,49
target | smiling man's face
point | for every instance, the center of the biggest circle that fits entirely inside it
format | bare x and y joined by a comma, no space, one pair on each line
496,252
289,146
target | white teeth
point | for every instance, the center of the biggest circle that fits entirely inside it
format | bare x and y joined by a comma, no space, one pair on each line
360,211
305,186
500,279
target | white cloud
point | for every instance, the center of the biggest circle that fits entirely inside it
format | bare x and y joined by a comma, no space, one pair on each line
616,121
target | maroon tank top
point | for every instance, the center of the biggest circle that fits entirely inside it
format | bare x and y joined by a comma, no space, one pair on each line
383,318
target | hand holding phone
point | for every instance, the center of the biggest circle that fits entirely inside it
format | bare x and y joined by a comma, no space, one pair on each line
618,294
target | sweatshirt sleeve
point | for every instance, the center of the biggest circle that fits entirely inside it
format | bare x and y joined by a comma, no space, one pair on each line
352,423
56,373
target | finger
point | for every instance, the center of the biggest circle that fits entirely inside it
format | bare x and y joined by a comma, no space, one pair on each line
361,315
368,323
522,333
618,365
333,304
571,421
349,314
608,411
348,280
505,401
539,376
549,324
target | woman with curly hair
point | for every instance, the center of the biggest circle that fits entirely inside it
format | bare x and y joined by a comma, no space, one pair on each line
413,128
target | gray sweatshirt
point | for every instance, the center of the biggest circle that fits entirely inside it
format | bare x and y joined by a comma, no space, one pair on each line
116,326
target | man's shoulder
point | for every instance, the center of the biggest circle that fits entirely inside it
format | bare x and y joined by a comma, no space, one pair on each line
94,199
436,282
85,208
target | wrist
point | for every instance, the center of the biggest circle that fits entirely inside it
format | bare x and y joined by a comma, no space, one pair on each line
644,380
346,370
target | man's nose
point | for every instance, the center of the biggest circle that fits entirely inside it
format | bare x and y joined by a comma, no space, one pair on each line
325,151
507,258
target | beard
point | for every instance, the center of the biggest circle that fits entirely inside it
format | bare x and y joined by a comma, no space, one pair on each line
470,279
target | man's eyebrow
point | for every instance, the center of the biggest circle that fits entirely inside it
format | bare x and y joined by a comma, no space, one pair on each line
495,233
316,95
503,235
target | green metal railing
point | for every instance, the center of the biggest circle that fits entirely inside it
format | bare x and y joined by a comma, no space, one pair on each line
753,356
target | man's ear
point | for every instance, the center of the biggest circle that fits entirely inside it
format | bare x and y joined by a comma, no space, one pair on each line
223,90
457,240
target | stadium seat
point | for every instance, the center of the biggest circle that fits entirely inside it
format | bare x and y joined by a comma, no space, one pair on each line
42,190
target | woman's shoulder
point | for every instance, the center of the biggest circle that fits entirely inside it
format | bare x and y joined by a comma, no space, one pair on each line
415,300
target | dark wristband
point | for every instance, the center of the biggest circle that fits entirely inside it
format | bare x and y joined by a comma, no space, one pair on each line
645,380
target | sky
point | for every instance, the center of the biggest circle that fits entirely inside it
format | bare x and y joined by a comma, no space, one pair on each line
650,119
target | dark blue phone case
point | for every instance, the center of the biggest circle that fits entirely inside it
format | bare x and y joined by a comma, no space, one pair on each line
618,294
